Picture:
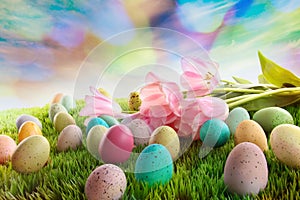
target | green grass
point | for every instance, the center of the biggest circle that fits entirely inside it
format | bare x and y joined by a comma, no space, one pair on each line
65,174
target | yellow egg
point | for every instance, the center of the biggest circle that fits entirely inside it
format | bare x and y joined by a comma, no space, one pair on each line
251,131
167,137
104,92
134,101
285,144
62,120
27,129
31,154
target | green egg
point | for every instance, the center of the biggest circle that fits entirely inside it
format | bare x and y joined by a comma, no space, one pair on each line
214,133
56,108
271,117
110,120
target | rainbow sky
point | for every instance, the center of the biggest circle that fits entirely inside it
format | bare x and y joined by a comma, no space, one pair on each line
44,44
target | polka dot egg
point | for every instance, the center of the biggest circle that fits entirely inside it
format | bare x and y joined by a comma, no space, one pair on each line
107,181
246,170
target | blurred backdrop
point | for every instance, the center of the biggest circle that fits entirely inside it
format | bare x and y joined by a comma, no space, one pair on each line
44,43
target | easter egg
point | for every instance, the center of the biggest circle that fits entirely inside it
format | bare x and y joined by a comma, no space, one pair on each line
285,143
154,165
54,109
68,102
104,92
134,101
140,130
27,129
236,116
105,182
251,131
69,138
214,133
116,145
62,120
24,118
7,148
246,170
110,120
31,154
57,97
95,121
94,138
271,117
167,136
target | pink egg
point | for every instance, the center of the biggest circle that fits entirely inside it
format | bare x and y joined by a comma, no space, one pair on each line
7,148
116,145
106,182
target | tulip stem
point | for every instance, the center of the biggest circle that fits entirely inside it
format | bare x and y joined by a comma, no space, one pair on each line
290,91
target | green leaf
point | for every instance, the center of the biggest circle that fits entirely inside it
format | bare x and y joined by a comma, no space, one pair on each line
262,79
241,80
277,75
274,100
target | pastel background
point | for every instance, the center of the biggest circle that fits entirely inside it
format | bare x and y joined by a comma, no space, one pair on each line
44,43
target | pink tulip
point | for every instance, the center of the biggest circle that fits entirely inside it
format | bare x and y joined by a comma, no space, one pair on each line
199,77
197,111
160,101
98,104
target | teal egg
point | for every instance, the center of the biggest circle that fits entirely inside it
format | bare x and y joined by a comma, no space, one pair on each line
154,165
68,102
94,122
110,120
235,117
214,133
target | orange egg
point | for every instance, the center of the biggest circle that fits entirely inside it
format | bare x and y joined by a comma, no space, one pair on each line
57,98
27,129
7,148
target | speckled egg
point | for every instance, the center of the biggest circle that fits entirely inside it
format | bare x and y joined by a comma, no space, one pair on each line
251,131
27,129
116,145
110,120
168,137
285,143
134,101
31,154
106,182
214,133
7,148
95,121
68,102
271,117
54,109
154,165
236,116
94,138
140,130
69,138
62,120
246,170
25,117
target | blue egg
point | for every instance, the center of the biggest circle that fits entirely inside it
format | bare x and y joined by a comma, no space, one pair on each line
110,120
154,165
214,133
95,121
